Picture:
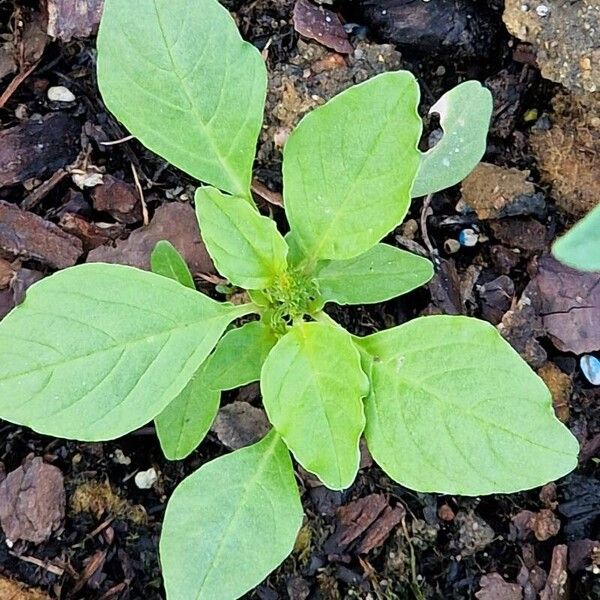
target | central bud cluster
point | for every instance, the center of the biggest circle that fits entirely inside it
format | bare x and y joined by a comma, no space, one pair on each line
291,295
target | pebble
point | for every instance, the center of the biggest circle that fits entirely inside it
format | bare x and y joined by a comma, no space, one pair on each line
146,479
590,366
59,93
468,238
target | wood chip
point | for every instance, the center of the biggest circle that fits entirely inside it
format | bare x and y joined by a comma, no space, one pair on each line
240,424
556,585
175,222
570,306
322,25
72,18
25,235
493,587
119,199
38,148
32,502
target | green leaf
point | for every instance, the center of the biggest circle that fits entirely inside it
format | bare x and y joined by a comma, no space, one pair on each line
381,273
236,361
184,423
165,260
229,524
349,167
465,113
180,78
239,356
312,385
454,409
97,350
580,247
245,246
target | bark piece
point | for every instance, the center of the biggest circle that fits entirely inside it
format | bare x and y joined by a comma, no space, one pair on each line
569,306
381,529
118,199
14,294
32,501
556,585
73,18
523,233
582,554
459,27
240,424
91,235
496,298
174,222
38,148
363,525
493,587
322,25
23,234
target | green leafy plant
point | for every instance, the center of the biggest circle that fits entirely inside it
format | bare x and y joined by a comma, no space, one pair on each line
97,350
580,247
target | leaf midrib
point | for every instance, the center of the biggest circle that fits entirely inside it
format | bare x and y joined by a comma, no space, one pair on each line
241,504
231,174
123,343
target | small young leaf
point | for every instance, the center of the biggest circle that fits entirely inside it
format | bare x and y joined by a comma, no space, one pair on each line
349,167
239,356
381,273
165,260
465,112
312,385
180,78
245,246
229,524
454,409
236,361
97,350
184,423
580,247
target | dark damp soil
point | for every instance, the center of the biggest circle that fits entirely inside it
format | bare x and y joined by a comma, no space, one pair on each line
442,545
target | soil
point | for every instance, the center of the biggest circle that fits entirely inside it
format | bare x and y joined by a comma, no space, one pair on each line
395,543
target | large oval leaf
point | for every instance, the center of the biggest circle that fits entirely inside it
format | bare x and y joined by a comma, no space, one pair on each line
312,385
229,524
454,409
180,78
349,167
245,246
465,113
381,273
580,247
98,350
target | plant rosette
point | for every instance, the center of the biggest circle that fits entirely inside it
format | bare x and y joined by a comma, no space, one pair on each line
98,350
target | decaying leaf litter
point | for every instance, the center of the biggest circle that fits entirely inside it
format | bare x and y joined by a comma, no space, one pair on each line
414,543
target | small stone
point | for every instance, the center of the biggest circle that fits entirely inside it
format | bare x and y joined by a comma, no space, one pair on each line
146,479
451,246
590,367
542,10
60,93
468,238
120,458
